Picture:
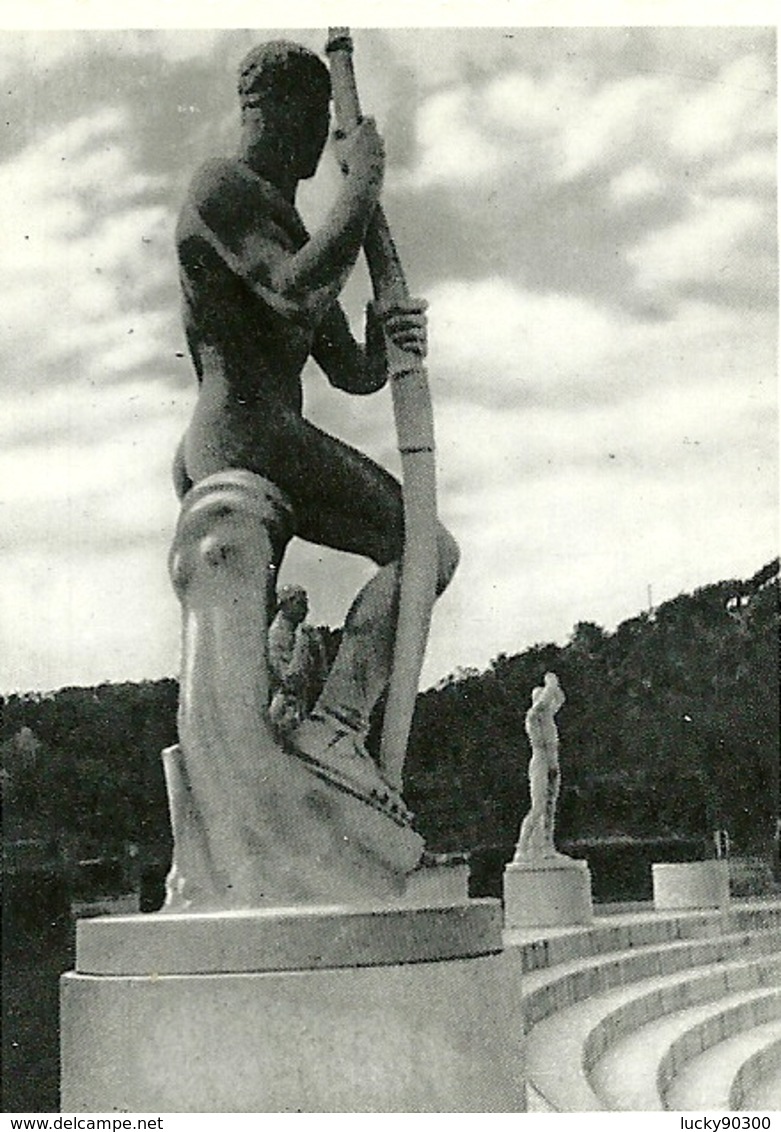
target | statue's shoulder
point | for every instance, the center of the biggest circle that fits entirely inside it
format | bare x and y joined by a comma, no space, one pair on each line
210,193
215,178
227,196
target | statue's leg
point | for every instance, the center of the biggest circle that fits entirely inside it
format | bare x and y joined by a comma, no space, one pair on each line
254,825
361,670
350,503
231,532
532,837
531,842
192,876
551,800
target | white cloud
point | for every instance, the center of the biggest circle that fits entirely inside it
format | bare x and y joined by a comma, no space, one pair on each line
499,345
31,52
560,126
89,466
453,147
739,102
527,105
60,613
645,137
604,128
467,133
89,511
676,413
85,255
717,242
498,339
637,182
755,170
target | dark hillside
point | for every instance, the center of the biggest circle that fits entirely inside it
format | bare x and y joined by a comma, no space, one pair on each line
671,725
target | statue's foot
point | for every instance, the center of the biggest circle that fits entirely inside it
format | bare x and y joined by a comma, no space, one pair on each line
341,749
539,855
324,734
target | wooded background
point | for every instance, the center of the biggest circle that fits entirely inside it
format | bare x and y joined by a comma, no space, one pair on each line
671,726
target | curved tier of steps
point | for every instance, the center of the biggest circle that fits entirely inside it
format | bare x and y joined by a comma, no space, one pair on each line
756,1087
707,1082
586,988
686,1060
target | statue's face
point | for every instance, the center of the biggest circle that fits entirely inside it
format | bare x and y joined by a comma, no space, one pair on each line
298,608
313,128
295,605
297,129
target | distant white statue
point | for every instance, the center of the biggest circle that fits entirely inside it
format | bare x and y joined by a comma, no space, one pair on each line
536,838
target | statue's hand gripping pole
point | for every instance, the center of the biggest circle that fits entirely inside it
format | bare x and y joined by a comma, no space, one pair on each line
415,435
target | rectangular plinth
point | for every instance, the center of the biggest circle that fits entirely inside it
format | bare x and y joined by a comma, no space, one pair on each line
691,884
540,895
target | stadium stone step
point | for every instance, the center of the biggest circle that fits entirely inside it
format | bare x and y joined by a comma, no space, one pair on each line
756,1086
648,1069
540,948
561,965
564,1047
766,1097
707,1082
629,968
550,989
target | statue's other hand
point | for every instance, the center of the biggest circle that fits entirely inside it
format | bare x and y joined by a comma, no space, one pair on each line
406,324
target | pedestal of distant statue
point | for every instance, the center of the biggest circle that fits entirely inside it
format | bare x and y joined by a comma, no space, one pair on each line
542,887
551,893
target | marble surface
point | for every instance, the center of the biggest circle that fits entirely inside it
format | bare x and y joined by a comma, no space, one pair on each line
286,938
258,821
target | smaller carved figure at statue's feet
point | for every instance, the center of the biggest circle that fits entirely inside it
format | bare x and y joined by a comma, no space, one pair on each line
336,744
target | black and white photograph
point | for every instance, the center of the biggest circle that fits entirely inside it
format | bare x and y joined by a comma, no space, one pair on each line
389,588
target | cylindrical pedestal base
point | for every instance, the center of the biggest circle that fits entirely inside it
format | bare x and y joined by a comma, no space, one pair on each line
691,884
370,1020
437,884
547,893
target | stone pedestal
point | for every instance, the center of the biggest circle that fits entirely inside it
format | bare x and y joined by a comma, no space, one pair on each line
691,884
293,1010
547,893
437,884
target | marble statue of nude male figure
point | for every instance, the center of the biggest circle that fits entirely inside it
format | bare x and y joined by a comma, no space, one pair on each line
536,840
260,295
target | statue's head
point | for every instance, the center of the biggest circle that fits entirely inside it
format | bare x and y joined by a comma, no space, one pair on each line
284,91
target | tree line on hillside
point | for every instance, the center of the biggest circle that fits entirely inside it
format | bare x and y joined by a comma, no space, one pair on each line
670,727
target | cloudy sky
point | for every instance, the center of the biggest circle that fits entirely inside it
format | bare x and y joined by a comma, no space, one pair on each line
591,214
